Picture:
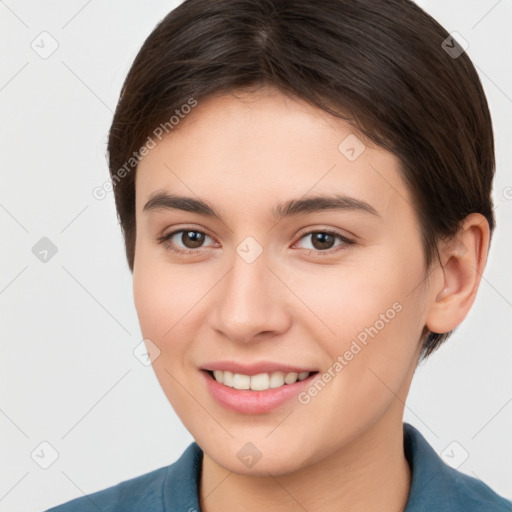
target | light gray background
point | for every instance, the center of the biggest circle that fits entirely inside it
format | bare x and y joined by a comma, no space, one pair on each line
69,326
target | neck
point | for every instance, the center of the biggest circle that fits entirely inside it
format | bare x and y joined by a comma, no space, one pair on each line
370,473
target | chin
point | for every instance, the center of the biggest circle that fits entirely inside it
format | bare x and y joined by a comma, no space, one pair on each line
257,458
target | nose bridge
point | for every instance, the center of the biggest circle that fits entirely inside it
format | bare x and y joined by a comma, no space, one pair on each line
248,302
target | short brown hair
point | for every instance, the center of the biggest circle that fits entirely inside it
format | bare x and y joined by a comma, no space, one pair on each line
384,66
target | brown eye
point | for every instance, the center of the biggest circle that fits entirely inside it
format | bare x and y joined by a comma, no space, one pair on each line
323,241
184,241
192,239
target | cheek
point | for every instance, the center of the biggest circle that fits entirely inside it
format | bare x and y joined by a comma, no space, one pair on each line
370,356
164,299
170,301
163,293
343,300
162,302
371,320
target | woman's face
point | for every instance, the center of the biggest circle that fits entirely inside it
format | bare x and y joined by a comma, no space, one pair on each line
340,291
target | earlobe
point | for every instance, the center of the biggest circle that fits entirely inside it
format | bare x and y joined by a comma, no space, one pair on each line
463,260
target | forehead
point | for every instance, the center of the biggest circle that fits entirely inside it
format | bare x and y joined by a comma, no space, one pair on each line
252,149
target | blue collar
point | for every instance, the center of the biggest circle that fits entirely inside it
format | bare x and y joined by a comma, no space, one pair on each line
435,486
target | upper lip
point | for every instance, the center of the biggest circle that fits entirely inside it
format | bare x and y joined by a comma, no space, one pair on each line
255,368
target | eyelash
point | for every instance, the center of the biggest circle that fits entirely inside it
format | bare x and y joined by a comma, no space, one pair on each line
346,242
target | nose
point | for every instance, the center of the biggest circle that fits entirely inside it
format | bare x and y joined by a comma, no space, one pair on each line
251,302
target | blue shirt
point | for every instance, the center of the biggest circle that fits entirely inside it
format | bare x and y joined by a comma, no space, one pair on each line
435,486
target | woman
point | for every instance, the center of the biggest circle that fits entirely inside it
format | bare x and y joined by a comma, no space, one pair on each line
304,189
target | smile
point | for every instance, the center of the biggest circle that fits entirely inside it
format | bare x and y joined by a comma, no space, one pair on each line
258,393
258,382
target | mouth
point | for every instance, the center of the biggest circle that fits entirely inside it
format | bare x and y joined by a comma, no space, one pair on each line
258,382
258,393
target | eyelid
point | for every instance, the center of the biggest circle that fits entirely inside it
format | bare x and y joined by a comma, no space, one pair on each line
326,229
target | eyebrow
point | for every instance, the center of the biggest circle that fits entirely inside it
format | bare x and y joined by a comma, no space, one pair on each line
163,201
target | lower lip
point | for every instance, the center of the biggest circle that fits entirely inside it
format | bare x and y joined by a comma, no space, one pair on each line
253,402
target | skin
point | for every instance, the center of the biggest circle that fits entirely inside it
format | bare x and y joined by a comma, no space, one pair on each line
244,154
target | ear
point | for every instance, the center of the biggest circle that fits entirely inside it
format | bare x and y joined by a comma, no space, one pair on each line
463,260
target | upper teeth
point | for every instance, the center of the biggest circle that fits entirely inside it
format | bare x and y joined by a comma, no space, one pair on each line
259,382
